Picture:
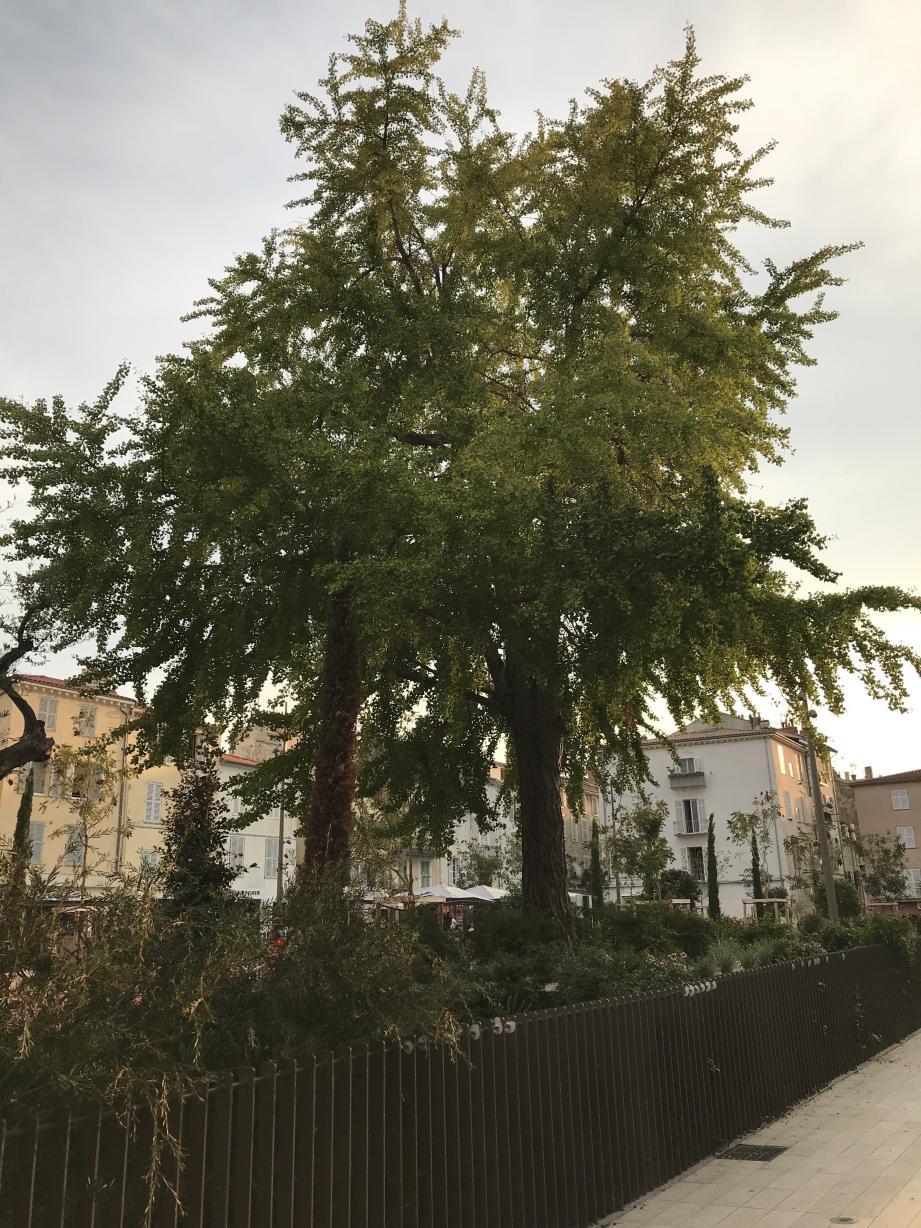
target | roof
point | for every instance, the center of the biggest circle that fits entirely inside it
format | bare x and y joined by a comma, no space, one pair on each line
239,759
894,779
84,688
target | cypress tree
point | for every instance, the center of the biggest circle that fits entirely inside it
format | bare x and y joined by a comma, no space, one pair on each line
713,887
757,890
195,870
595,873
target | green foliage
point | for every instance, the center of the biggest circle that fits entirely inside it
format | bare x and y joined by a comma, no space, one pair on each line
679,885
726,954
194,870
883,861
845,893
637,848
596,876
755,828
834,936
461,377
713,880
655,929
509,930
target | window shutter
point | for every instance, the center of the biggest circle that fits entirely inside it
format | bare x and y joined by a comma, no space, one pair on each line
152,803
237,850
685,859
678,817
271,856
906,837
37,837
48,712
73,849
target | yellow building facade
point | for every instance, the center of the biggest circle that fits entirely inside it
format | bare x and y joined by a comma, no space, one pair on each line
77,833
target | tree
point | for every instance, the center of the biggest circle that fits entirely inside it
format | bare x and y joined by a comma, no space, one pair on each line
846,896
33,745
194,870
638,849
595,872
680,885
754,828
22,837
882,862
501,398
713,881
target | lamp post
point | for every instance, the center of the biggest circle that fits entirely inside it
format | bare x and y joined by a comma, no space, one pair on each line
828,874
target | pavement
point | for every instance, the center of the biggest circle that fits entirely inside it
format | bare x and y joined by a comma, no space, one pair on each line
854,1157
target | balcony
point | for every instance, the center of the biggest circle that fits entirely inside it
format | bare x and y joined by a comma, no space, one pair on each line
687,780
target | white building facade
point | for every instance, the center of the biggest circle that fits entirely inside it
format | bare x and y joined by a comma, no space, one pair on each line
722,769
255,849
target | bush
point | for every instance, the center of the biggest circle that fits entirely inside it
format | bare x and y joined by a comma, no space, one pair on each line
725,954
506,929
898,933
764,930
642,929
692,932
835,937
680,885
846,895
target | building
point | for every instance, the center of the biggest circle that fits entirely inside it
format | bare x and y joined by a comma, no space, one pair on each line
125,835
722,768
891,806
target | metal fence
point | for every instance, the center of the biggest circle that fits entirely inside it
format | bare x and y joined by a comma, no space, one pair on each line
547,1120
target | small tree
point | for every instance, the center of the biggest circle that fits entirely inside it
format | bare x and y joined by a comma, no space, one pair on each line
595,872
753,828
22,839
638,849
680,885
194,869
713,885
883,862
479,864
88,782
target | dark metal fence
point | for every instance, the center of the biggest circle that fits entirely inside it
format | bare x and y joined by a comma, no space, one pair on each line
547,1120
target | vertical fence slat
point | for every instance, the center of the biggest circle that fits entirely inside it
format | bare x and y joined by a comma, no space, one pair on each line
264,1154
304,1131
360,1137
341,1149
244,1116
285,1142
193,1173
324,1125
219,1132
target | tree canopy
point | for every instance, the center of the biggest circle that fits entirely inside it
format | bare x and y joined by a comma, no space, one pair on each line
472,436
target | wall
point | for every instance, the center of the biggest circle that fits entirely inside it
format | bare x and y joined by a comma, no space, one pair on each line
874,802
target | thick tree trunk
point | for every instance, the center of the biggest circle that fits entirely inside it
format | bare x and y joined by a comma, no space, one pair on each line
537,735
329,822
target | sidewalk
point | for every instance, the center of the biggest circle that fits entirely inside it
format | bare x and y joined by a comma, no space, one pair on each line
854,1157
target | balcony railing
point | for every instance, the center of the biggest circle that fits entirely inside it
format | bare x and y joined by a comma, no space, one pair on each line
686,780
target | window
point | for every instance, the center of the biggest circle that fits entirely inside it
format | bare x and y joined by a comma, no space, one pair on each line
86,723
913,883
48,712
780,760
452,871
153,802
86,782
237,850
271,856
40,777
425,874
696,862
906,837
593,805
149,861
801,810
900,799
75,847
686,767
36,836
691,814
787,806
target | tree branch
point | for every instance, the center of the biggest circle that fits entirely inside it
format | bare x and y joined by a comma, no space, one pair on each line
34,745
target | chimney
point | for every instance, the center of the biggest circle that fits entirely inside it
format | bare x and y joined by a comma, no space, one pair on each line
868,773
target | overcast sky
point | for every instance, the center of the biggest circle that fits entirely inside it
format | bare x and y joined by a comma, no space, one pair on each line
139,152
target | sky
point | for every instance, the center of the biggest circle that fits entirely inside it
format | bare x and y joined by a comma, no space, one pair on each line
140,152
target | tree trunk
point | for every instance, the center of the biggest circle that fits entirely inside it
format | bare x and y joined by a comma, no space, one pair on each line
757,889
329,821
537,736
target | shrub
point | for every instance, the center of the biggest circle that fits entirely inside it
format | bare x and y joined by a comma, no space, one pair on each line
691,932
642,929
846,895
680,885
506,929
898,933
766,929
835,937
725,954
704,969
